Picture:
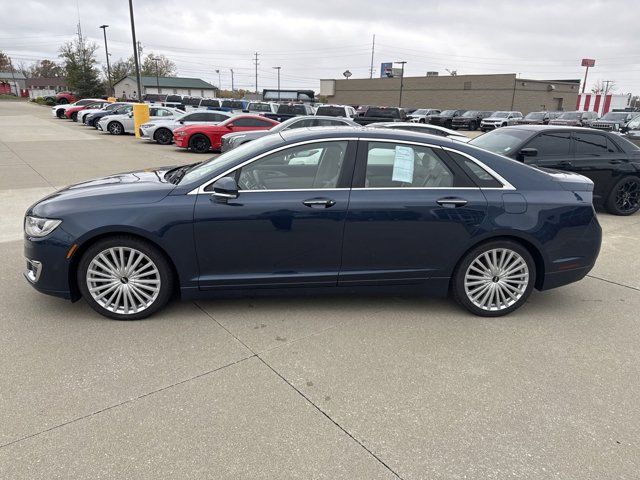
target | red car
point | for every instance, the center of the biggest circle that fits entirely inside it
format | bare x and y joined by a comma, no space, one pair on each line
202,138
72,112
63,98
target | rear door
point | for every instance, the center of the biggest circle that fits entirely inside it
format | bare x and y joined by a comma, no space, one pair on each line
411,214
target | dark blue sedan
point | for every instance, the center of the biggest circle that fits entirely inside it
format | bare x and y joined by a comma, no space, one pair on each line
317,209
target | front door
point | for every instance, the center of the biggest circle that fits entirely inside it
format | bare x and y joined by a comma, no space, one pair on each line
285,228
412,213
554,150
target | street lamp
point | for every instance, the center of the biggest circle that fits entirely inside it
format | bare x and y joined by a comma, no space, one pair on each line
104,30
401,82
278,69
135,50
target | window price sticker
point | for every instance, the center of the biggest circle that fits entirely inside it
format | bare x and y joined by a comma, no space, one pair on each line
403,165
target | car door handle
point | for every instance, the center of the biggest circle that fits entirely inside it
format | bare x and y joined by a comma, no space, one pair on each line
615,162
451,202
319,203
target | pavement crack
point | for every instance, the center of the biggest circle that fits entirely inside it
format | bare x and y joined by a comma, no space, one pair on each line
125,402
305,397
614,283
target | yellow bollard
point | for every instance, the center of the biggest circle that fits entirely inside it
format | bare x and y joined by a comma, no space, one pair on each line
140,116
111,99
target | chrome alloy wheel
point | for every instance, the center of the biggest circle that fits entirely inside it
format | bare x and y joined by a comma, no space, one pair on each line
496,279
123,280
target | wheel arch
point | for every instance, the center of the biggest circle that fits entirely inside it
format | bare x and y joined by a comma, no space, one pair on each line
94,237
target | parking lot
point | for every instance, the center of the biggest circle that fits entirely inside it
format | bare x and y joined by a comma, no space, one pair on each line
315,387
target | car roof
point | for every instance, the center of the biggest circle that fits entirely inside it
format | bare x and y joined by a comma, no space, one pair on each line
317,133
424,126
545,128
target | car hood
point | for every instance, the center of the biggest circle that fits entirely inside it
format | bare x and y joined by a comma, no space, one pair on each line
139,187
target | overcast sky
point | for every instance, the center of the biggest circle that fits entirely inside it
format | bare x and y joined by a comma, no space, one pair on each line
541,39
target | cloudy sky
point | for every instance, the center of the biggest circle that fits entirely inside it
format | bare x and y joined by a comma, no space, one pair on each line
541,39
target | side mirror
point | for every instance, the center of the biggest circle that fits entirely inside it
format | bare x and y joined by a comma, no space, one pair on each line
529,152
229,125
130,114
181,122
245,110
224,189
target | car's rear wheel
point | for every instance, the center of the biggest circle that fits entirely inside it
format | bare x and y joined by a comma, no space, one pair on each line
422,120
115,128
494,278
624,198
199,143
63,101
125,278
74,116
163,136
60,113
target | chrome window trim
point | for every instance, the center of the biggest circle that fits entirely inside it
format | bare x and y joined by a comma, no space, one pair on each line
201,188
506,185
295,190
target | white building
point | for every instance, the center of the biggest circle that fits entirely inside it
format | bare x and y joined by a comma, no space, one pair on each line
128,86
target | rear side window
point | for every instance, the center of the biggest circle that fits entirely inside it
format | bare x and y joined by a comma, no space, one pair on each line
480,176
551,144
591,144
391,165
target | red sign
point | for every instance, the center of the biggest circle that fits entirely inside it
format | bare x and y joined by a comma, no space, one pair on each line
588,62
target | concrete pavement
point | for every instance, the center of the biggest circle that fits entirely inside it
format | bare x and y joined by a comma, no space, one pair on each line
314,387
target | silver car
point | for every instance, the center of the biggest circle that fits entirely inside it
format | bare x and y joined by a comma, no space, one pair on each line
501,118
120,124
161,130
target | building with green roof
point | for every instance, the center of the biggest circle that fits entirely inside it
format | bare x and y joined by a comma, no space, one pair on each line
127,87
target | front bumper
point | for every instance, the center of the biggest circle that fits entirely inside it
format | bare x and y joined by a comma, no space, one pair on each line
180,141
489,126
99,126
47,268
144,133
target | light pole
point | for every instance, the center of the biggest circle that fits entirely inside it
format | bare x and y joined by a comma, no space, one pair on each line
401,83
232,88
106,50
219,81
278,69
135,50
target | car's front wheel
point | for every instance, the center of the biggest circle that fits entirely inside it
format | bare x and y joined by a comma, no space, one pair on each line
74,116
115,128
125,278
624,198
163,136
199,143
494,278
60,113
472,126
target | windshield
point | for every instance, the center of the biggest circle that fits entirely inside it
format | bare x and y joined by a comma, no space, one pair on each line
331,111
229,158
421,111
447,113
615,116
500,115
535,116
470,113
292,109
383,112
501,141
259,107
570,116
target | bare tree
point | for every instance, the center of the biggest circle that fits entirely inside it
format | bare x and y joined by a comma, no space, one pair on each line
165,67
603,86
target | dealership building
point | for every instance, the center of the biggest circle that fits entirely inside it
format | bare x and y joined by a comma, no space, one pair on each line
471,92
127,86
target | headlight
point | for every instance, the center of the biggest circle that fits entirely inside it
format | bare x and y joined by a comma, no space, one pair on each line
39,227
179,134
236,139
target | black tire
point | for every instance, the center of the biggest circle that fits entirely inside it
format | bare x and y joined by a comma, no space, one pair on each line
460,292
163,136
74,116
422,120
115,128
63,101
165,275
199,143
473,126
624,198
503,125
60,113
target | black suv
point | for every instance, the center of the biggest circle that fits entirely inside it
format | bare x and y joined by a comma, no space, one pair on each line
445,118
614,120
538,118
608,159
470,119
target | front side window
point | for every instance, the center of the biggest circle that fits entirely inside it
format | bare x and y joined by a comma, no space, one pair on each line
551,144
315,166
391,165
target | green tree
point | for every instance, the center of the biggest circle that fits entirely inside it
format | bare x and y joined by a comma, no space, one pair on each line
160,65
45,69
79,60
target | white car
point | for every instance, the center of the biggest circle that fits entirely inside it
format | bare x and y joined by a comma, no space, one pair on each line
422,115
326,110
161,129
502,118
119,124
261,107
82,114
423,128
58,110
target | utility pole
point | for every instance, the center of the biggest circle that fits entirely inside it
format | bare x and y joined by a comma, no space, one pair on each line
156,60
373,49
140,54
232,89
106,49
13,74
219,81
135,50
606,89
255,61
278,69
401,82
